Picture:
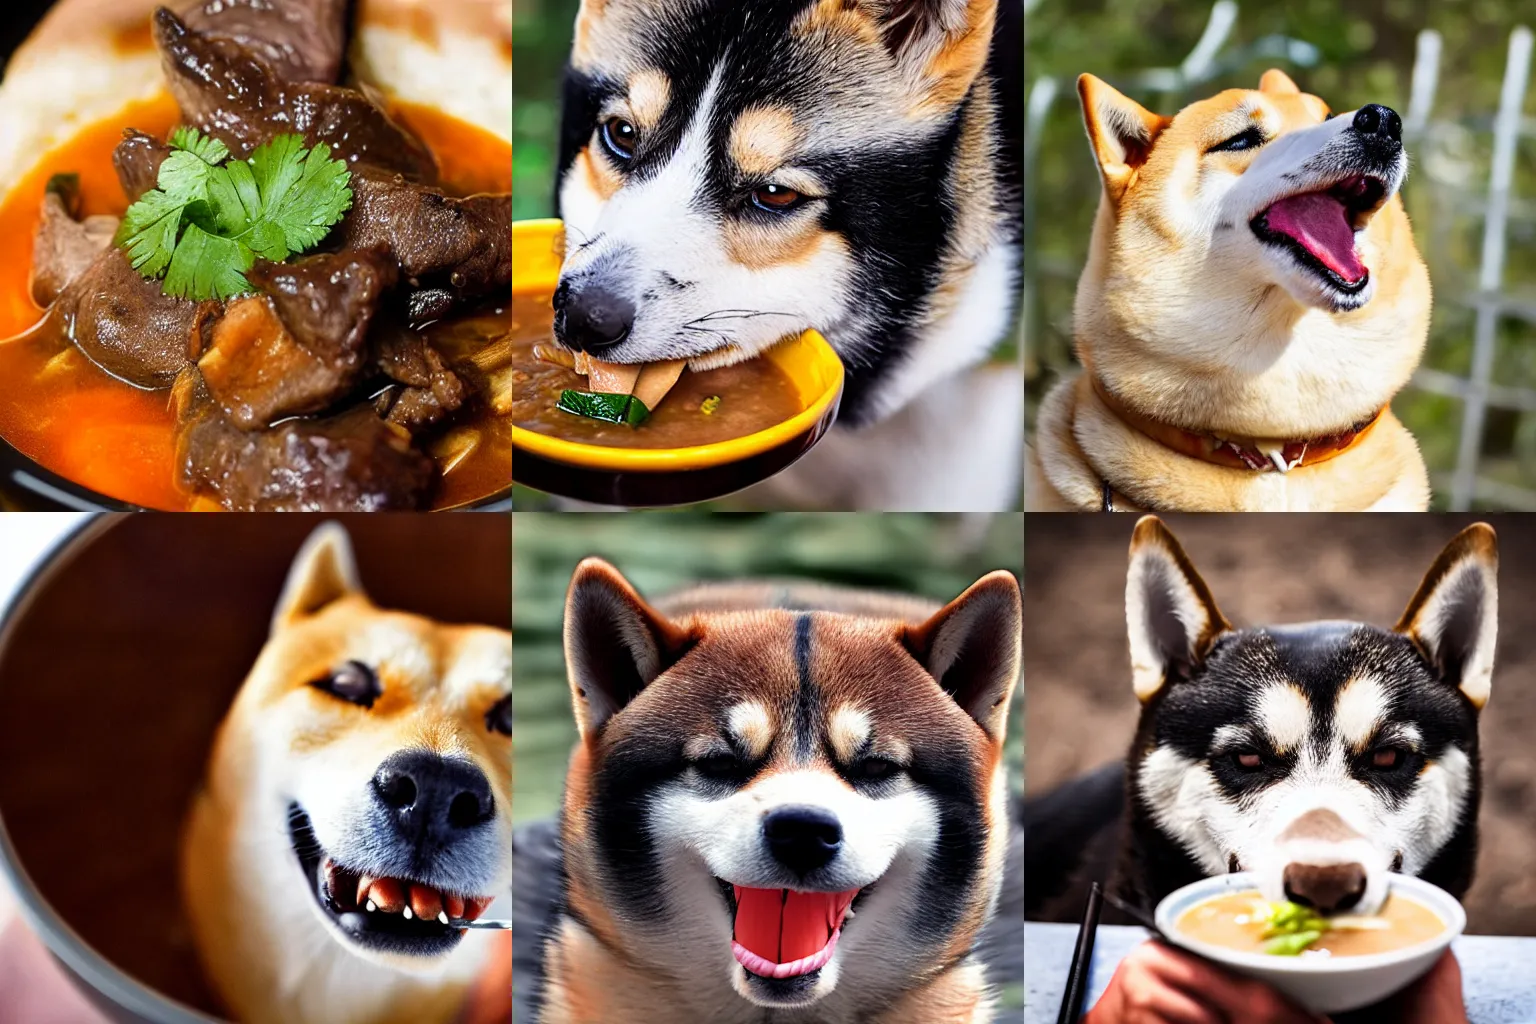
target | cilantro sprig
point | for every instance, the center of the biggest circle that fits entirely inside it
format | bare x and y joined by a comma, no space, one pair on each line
212,215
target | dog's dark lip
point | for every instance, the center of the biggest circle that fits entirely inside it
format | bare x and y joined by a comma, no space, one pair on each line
389,933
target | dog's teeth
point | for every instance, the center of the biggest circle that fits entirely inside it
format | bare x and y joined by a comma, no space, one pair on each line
407,911
372,906
442,917
364,883
474,906
453,905
389,894
426,902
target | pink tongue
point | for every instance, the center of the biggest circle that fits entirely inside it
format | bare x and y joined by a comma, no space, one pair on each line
784,926
1317,220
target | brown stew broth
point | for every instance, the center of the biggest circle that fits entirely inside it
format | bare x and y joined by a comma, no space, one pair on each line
60,409
1225,921
753,395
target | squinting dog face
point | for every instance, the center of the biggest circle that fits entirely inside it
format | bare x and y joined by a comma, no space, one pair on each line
382,748
798,801
732,173
1321,756
1251,190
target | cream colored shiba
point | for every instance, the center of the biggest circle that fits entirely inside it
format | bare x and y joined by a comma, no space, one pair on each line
357,799
1252,301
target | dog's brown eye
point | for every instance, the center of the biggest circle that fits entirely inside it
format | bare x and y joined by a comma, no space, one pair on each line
776,198
874,769
619,138
1248,761
1385,758
354,682
499,718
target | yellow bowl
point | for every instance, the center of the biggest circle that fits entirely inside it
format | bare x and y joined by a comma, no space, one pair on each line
668,476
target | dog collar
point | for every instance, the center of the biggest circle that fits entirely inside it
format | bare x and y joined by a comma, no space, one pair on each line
1257,454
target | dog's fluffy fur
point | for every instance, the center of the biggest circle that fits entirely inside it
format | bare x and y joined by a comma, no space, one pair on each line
796,686
1320,756
270,947
898,123
1193,314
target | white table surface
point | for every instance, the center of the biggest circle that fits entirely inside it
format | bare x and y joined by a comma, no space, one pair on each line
24,538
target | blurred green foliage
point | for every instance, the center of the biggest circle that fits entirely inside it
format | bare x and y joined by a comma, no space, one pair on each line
541,42
1366,55
936,556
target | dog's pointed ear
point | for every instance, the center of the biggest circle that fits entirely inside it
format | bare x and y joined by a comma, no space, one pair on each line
1454,616
1120,130
1278,83
972,646
324,570
1169,612
615,643
940,46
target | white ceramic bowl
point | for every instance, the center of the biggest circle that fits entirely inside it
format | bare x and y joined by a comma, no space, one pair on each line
1321,984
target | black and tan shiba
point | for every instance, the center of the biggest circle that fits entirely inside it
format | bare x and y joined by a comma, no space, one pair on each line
732,173
788,804
358,799
1320,756
1251,302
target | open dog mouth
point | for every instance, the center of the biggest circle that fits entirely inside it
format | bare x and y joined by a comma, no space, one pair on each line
781,934
1319,228
397,915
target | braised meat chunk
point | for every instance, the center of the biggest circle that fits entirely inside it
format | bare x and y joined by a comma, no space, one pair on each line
462,246
302,40
228,92
350,462
431,391
65,246
137,160
301,345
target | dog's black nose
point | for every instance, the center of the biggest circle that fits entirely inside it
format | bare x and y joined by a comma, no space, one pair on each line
1377,120
591,318
1329,888
433,796
802,838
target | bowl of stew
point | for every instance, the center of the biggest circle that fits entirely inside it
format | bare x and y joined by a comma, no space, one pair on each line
715,431
1327,965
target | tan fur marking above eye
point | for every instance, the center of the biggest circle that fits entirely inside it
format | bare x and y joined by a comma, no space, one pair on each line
762,138
848,731
753,728
649,93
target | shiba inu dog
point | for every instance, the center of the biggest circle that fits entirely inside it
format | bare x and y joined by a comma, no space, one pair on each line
1252,301
788,804
1320,756
357,798
732,174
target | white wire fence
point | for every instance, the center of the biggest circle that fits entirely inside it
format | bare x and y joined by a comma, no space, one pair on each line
1485,360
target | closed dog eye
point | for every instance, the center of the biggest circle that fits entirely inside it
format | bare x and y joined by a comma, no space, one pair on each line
353,682
1248,138
499,718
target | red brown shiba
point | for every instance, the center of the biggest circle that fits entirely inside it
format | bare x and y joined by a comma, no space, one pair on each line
788,804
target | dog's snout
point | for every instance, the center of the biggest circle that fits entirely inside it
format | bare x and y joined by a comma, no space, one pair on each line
802,838
430,795
1376,121
1328,888
592,318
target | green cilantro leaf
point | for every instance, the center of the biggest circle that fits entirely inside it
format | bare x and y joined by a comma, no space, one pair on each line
209,151
208,267
212,216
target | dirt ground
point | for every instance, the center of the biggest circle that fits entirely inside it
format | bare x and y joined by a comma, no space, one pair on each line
1080,712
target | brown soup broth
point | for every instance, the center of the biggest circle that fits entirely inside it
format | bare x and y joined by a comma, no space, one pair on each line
753,395
1228,921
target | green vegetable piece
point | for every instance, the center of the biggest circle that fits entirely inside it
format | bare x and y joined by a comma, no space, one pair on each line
1292,944
709,405
1292,918
605,406
212,216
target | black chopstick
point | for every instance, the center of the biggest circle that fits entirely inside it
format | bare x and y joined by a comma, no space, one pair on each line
1082,958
